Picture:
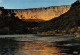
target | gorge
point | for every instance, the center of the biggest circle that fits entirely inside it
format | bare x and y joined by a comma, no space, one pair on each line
57,19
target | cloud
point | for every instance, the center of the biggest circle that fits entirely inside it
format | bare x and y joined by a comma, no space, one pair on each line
0,1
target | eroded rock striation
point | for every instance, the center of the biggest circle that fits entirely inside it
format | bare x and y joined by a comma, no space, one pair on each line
40,13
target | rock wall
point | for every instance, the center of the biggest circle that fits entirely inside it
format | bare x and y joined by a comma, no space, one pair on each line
40,13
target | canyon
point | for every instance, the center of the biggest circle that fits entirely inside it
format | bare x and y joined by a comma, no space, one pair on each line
56,19
40,13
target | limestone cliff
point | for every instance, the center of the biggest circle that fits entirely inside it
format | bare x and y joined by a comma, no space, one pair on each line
40,13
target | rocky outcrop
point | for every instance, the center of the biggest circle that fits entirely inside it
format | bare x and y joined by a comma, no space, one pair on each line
40,13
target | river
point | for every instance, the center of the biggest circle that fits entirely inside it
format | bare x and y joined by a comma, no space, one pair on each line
39,45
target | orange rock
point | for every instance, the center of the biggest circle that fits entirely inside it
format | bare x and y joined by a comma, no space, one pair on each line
41,13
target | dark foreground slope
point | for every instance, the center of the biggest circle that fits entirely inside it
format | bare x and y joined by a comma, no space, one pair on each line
66,23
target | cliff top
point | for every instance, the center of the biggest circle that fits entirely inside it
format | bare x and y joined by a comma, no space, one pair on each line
40,7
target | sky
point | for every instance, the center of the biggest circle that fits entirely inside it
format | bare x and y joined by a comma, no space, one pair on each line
25,4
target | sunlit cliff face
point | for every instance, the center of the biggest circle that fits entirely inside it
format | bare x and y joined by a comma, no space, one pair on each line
41,13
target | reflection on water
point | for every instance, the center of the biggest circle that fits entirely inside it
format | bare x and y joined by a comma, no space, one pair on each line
67,47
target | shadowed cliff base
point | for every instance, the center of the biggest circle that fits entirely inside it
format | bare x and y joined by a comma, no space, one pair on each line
32,20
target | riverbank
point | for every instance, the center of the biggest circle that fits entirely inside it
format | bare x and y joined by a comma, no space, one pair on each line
39,35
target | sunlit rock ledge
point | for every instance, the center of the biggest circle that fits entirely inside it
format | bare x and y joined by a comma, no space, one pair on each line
40,13
77,34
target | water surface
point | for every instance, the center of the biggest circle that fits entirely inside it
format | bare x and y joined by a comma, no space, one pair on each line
38,45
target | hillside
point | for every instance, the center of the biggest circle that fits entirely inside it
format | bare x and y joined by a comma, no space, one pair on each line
66,23
27,21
